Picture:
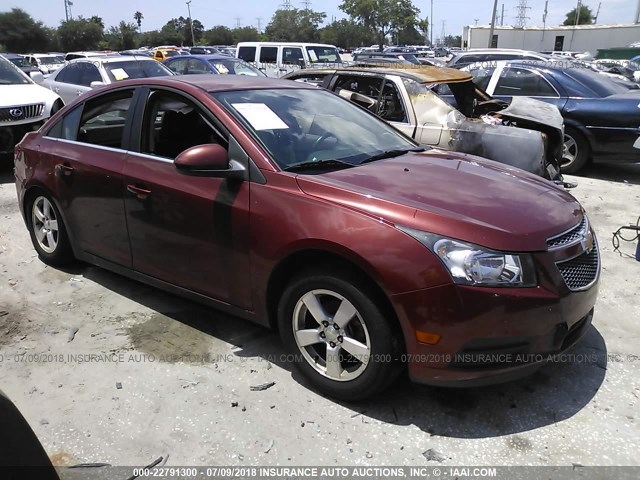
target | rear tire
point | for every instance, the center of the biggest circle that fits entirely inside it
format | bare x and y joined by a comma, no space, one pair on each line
339,337
575,152
47,230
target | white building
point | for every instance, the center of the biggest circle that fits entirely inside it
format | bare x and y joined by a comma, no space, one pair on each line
583,38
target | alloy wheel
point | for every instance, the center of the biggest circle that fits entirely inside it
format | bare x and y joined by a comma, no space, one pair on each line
569,151
45,224
331,335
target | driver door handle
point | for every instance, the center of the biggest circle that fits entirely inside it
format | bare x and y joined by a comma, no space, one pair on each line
140,193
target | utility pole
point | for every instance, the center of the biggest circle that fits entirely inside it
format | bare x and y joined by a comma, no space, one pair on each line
67,10
238,22
431,24
193,38
595,19
502,16
638,13
443,34
286,4
493,23
578,8
306,4
522,14
476,20
259,20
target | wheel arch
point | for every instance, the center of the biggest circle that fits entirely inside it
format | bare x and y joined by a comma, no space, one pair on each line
309,258
30,192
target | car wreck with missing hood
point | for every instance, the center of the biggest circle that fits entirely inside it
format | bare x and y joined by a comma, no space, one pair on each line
523,133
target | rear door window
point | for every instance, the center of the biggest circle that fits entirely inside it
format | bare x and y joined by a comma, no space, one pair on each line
292,56
268,54
520,81
104,118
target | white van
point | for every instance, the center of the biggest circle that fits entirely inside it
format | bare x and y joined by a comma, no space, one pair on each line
278,58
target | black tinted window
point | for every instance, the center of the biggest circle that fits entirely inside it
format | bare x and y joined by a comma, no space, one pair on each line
69,74
269,54
248,54
292,55
89,73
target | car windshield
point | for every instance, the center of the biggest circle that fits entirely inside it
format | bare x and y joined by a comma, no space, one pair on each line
172,53
10,74
235,67
52,60
320,54
310,125
135,69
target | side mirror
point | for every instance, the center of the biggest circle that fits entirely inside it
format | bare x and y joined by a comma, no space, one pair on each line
36,76
209,160
96,84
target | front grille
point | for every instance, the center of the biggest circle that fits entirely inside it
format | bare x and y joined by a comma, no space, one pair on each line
570,237
21,112
580,272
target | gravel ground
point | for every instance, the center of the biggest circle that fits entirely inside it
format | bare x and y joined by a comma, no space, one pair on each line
163,395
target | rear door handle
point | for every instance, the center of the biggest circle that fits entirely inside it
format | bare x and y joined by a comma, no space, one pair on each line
140,193
63,170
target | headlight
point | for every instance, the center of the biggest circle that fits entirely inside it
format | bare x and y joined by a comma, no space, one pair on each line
471,264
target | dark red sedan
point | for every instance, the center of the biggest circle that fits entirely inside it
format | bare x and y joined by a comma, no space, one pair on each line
287,205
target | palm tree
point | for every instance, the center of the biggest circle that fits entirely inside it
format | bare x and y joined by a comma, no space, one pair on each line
138,18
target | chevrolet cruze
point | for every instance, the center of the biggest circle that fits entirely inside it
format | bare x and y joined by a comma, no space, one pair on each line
284,204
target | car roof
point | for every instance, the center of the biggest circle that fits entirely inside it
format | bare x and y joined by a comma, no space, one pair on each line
219,83
499,50
112,59
421,74
207,56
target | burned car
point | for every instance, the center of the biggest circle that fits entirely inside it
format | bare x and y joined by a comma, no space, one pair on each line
523,132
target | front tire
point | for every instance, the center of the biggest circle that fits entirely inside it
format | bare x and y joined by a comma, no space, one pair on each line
340,339
47,231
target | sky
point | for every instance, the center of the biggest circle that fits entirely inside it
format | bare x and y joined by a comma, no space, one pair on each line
455,13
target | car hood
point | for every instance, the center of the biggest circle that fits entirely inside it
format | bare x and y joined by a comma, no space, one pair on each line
25,95
455,195
536,111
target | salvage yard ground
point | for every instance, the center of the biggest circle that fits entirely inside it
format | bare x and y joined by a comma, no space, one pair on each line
177,377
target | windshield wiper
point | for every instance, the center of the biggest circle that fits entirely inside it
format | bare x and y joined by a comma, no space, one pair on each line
313,165
391,153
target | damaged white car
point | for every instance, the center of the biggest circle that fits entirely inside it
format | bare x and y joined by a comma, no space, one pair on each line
524,133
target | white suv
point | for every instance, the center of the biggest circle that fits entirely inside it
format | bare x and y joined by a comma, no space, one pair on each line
24,105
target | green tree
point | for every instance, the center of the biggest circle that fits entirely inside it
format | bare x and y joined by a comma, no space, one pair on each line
97,20
79,34
452,40
245,34
138,18
347,33
384,16
219,35
295,25
586,16
122,37
20,33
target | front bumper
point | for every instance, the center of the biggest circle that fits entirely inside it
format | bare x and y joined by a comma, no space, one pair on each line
490,335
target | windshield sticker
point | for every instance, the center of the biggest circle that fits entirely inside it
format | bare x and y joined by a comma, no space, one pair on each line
312,55
119,74
260,116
